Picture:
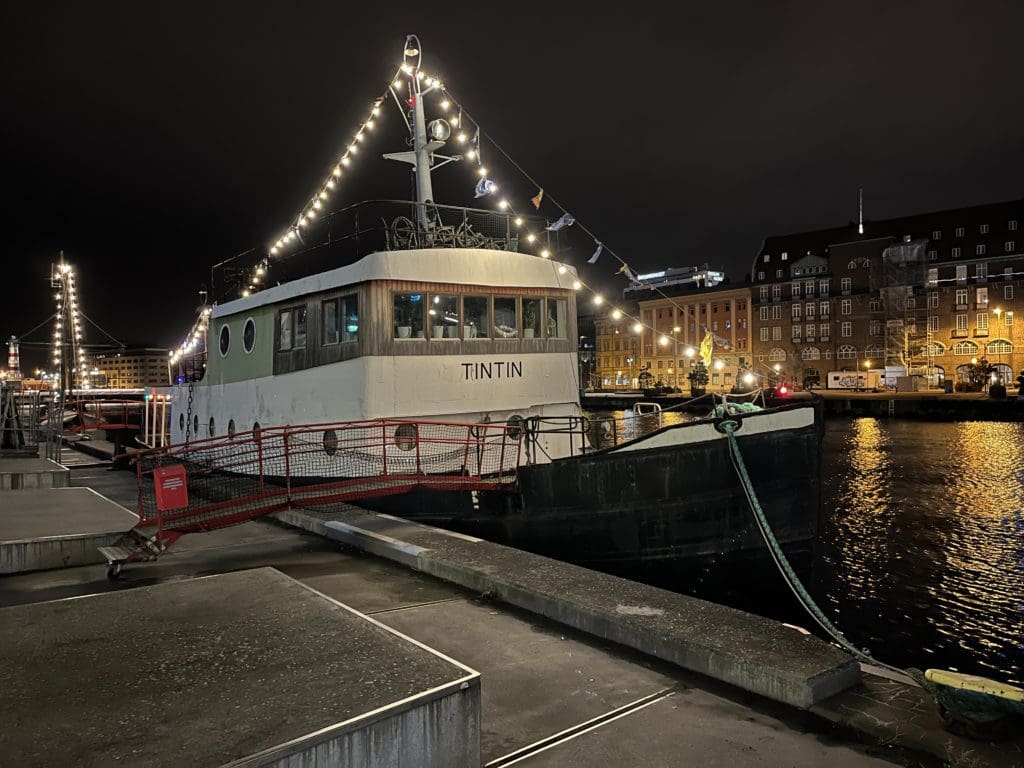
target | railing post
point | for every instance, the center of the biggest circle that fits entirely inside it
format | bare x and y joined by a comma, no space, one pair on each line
287,467
259,462
384,446
419,469
501,457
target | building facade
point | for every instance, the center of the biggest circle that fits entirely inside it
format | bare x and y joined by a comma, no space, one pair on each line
929,293
617,353
133,368
680,321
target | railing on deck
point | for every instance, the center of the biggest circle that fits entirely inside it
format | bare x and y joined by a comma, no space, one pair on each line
246,475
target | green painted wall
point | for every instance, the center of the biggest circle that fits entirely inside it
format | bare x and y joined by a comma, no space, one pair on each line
237,364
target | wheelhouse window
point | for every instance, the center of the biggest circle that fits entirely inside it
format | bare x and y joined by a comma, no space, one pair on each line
341,319
532,318
443,313
556,319
506,317
284,333
408,316
299,314
476,322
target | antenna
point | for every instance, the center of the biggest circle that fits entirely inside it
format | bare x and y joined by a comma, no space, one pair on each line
860,217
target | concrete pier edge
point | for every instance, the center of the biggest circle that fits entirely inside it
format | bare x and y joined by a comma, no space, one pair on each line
808,673
873,704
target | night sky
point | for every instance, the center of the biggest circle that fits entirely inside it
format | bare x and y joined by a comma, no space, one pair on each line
149,141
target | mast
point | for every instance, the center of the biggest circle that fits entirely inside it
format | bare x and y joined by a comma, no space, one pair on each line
425,139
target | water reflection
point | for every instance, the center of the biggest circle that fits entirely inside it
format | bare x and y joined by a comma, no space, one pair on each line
921,556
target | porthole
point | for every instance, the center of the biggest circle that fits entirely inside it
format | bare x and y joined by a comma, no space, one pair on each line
249,335
330,442
515,425
231,428
181,423
195,425
405,437
256,426
213,431
225,340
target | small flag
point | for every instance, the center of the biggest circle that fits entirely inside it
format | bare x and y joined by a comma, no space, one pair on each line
707,346
485,187
629,273
597,253
537,198
566,220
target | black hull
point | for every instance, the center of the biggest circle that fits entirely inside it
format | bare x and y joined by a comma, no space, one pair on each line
646,508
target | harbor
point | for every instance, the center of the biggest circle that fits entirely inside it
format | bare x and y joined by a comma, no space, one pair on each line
419,426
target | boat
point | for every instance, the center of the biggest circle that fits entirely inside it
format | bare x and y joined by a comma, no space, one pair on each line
420,314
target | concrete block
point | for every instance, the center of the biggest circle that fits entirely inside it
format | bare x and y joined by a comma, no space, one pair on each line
243,669
57,528
32,473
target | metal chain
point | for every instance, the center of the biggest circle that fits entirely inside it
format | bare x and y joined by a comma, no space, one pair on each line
188,415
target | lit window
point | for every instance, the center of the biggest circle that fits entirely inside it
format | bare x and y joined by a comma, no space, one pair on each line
982,321
979,250
959,231
846,352
956,253
784,256
557,319
776,333
981,270
846,284
1009,245
846,307
846,329
1012,225
933,323
936,234
763,313
983,229
766,258
408,316
1008,294
933,255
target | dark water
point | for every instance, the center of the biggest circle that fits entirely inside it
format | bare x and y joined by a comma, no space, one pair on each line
921,553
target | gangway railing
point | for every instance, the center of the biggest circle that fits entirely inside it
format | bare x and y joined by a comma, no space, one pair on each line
232,479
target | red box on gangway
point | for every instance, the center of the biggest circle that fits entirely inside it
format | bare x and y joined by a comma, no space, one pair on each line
171,488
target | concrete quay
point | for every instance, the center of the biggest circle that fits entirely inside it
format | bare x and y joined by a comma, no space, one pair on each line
550,694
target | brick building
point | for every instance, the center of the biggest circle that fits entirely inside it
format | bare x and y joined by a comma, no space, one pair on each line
928,292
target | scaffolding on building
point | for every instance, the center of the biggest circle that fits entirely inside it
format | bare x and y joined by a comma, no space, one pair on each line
899,283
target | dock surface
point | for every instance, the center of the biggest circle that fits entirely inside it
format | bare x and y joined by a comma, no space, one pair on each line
551,695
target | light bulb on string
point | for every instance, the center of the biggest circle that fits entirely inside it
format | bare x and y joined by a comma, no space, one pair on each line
531,237
637,328
598,299
577,285
616,314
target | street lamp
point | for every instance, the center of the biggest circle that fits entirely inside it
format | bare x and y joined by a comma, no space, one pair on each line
719,365
999,349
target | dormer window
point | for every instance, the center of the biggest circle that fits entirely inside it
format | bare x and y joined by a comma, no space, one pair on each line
767,258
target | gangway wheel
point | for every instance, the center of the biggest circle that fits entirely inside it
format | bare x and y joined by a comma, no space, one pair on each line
114,570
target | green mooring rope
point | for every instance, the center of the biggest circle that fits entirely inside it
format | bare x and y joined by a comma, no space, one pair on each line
975,706
775,549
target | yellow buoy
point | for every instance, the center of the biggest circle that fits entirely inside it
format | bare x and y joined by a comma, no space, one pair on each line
975,683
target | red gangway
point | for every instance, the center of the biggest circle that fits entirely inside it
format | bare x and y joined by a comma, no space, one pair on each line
239,477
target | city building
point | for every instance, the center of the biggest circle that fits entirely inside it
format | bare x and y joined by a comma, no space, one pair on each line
681,318
617,352
133,368
928,293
